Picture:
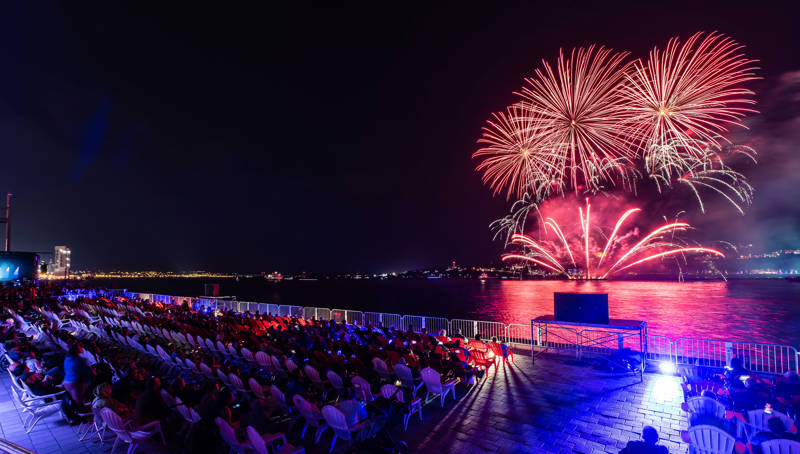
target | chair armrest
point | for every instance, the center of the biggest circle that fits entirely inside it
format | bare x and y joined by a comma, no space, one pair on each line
452,381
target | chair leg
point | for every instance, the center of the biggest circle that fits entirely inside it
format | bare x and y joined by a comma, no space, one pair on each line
405,421
318,434
132,447
303,434
333,442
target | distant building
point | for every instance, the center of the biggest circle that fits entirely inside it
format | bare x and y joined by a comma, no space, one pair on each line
61,261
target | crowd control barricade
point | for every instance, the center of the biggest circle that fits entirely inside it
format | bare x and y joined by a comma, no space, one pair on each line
435,324
412,322
338,315
373,318
757,357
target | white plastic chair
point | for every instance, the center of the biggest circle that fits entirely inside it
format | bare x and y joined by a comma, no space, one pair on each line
278,398
336,382
311,417
335,418
127,435
381,369
317,382
270,443
435,387
364,388
407,379
257,389
780,447
710,440
263,360
227,433
247,355
236,382
758,419
705,406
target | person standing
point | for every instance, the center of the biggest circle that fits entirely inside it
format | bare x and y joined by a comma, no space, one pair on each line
77,374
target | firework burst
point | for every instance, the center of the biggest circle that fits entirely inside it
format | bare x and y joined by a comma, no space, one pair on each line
682,100
578,108
591,254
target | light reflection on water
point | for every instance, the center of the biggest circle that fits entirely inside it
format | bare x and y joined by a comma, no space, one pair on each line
765,310
761,311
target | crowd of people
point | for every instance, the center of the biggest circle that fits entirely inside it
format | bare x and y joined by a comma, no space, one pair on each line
97,371
749,408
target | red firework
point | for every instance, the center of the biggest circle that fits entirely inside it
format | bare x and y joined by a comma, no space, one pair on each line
601,259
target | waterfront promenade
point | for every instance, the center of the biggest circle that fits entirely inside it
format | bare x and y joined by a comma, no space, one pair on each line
556,406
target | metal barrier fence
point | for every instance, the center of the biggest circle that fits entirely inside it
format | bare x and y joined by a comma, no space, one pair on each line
762,358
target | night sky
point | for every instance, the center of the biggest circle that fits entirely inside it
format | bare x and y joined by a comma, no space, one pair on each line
321,138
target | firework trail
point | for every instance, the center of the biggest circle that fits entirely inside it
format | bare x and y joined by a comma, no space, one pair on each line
554,255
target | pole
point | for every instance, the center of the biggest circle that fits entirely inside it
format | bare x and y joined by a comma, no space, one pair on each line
8,222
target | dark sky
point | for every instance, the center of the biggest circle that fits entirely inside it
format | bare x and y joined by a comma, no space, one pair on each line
314,137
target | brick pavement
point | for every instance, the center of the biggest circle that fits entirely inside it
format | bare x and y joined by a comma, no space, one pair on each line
556,406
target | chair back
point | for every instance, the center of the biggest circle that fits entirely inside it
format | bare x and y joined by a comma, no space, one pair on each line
710,440
247,355
477,345
276,364
335,418
168,399
290,365
221,347
432,380
335,380
227,433
311,373
232,351
388,391
277,396
207,371
780,447
304,407
221,375
114,422
256,440
210,344
256,387
236,382
758,419
706,406
403,372
381,369
364,387
496,349
263,359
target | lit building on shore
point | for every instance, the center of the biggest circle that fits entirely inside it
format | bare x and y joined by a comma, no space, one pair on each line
61,261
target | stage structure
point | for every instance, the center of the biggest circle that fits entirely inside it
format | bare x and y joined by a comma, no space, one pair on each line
581,326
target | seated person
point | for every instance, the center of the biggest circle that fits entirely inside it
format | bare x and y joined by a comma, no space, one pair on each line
150,406
103,399
776,431
648,444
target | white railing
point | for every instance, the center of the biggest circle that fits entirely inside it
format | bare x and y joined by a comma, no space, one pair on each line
763,358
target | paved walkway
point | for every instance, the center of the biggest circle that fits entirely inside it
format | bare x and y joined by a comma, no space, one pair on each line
556,406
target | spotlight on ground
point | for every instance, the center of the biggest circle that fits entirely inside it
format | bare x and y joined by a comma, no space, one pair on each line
666,367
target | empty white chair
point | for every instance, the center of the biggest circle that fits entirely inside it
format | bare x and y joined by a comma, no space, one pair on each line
381,369
336,382
435,387
236,382
257,389
263,360
228,434
290,365
207,371
407,379
311,417
247,355
335,418
130,436
780,447
278,399
710,440
223,378
270,443
363,388
313,377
